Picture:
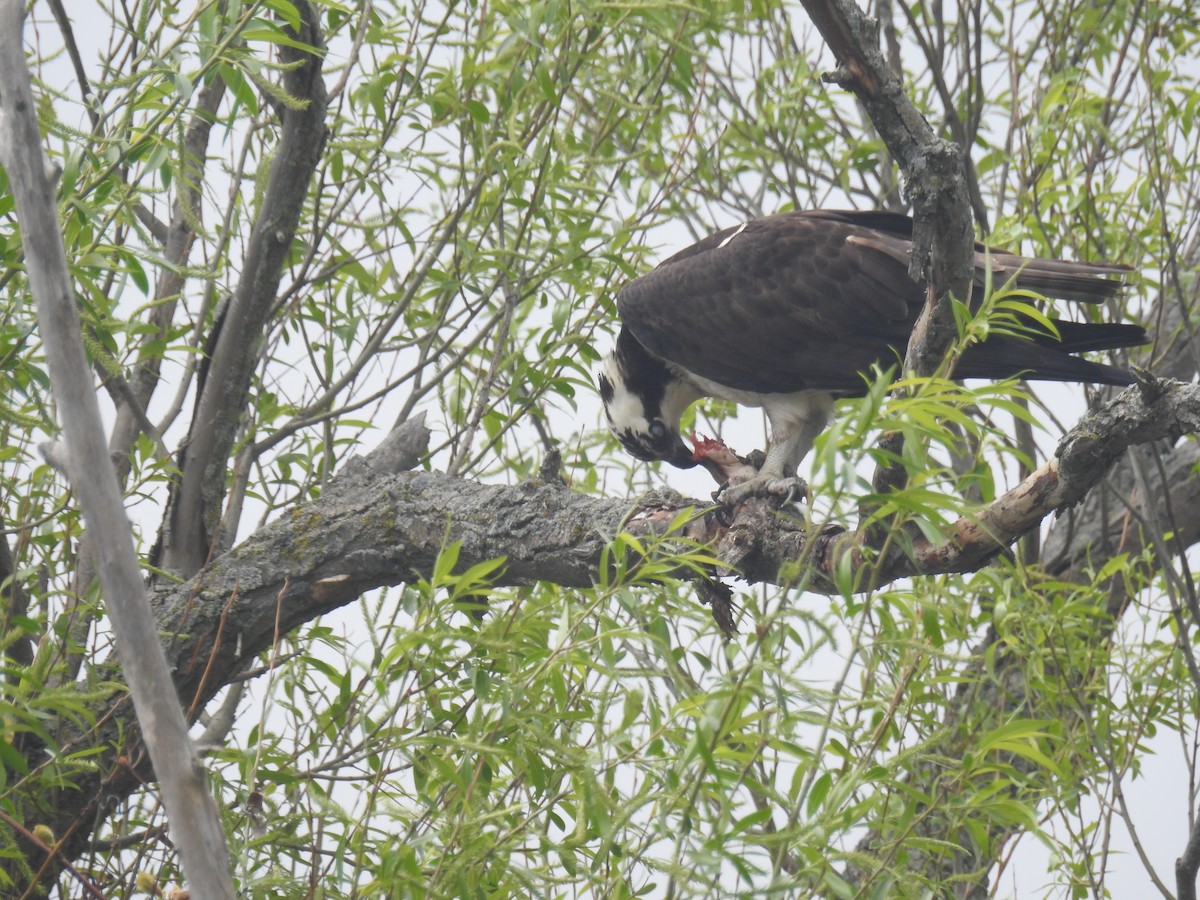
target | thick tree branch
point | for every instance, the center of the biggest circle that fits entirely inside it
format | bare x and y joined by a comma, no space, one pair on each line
375,527
935,182
1101,526
190,807
196,505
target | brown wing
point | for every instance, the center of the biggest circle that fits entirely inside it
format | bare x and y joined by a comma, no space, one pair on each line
782,303
813,299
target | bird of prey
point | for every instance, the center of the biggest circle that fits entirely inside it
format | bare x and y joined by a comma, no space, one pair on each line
791,311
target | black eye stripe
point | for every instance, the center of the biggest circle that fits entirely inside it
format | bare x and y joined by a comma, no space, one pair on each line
632,443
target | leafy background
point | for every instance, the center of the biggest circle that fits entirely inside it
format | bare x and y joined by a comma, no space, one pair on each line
493,173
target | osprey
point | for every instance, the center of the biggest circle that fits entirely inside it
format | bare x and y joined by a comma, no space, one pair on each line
789,312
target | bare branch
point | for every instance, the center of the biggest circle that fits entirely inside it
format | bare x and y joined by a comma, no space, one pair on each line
196,827
196,506
935,181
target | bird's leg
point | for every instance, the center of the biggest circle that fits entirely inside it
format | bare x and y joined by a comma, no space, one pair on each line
777,478
772,480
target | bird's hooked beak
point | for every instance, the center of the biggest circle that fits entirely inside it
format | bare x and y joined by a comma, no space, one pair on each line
682,456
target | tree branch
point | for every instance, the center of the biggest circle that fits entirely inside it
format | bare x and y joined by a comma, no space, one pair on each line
375,528
195,509
935,182
193,814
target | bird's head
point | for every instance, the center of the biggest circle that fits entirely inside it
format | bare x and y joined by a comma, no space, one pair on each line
643,399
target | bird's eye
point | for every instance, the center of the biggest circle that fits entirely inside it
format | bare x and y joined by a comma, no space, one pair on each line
658,429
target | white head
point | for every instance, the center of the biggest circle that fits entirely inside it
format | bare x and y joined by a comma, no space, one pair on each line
644,400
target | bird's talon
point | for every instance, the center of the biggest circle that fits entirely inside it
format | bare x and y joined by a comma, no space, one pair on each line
781,490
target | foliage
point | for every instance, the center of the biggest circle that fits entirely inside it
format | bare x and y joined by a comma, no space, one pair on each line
492,173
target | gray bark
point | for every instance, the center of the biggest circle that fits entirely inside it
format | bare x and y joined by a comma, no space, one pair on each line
192,536
196,828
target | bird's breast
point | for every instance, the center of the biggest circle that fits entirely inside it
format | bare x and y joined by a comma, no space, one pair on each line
783,408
